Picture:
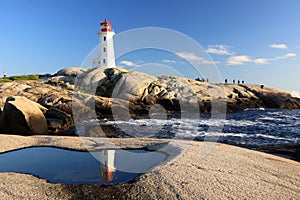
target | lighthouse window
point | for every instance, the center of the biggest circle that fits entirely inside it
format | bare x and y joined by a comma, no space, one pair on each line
104,38
104,49
103,61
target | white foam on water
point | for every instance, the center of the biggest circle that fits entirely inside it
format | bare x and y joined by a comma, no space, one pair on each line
189,128
277,137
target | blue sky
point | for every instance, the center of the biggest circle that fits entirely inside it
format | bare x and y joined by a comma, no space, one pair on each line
253,40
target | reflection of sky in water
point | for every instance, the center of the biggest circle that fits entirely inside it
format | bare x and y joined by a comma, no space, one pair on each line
75,167
136,161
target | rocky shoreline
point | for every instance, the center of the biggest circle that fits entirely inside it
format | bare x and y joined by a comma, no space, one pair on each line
45,106
52,98
41,110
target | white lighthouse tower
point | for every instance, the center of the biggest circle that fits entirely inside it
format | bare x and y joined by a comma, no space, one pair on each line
106,55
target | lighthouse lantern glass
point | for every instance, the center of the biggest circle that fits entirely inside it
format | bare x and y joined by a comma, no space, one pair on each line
105,26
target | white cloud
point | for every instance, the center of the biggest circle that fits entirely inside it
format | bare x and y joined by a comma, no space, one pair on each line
128,63
168,61
238,60
288,55
291,55
279,46
188,56
193,58
262,61
219,50
295,94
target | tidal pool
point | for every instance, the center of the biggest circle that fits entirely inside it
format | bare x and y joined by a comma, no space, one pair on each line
58,165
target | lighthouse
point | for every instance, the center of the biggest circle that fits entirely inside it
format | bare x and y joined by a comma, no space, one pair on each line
106,54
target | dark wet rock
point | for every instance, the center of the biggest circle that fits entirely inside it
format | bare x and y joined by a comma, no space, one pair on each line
291,151
50,100
297,154
105,131
58,120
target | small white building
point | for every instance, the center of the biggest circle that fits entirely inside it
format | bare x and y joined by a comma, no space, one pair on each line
106,54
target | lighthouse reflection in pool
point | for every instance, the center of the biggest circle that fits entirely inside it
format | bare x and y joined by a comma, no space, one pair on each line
122,166
77,167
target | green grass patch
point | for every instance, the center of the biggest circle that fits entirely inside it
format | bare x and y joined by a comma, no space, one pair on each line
5,80
19,78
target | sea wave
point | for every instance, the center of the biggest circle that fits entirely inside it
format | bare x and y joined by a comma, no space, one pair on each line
259,127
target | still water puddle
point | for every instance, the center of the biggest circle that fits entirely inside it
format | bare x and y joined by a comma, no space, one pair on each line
58,165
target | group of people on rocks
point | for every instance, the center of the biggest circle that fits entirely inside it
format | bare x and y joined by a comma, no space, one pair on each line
202,79
233,81
226,81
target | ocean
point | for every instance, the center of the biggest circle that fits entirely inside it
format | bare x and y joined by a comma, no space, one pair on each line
248,128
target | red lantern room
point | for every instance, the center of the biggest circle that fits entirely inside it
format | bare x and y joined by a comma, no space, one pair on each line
106,26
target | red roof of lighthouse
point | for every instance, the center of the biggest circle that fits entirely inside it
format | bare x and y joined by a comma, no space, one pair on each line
105,22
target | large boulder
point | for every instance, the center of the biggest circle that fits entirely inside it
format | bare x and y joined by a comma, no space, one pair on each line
63,76
71,71
57,80
100,79
132,85
23,116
